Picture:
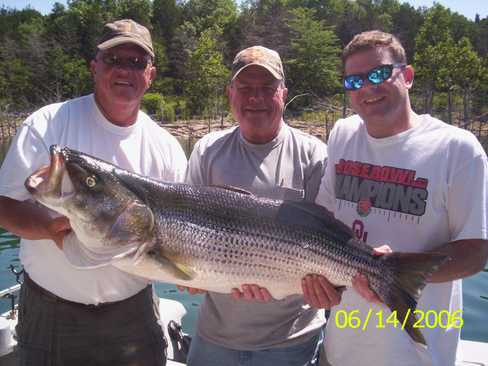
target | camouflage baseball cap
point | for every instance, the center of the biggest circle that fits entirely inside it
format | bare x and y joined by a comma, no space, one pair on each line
126,31
260,56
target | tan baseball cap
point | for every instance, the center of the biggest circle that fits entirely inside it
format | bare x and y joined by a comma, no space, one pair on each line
260,56
126,31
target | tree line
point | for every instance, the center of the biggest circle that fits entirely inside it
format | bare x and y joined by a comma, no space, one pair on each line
44,58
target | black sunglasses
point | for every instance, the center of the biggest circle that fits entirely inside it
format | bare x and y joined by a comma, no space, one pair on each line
134,63
376,76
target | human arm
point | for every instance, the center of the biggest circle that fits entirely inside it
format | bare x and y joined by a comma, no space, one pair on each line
30,221
315,169
27,152
467,209
467,257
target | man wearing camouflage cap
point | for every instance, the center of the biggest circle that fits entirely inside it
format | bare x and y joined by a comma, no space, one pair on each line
266,157
90,316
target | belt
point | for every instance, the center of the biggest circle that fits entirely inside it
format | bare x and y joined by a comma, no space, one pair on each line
49,295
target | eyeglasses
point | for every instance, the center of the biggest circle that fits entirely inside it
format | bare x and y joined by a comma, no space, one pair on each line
134,63
376,76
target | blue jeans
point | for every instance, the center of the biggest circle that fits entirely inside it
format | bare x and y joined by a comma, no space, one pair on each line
203,353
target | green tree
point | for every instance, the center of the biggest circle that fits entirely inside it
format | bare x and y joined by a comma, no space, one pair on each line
444,59
22,56
467,73
12,19
480,105
314,64
265,23
183,44
349,24
164,82
167,15
328,11
138,10
481,41
206,14
86,19
207,74
432,37
436,27
68,76
406,24
17,84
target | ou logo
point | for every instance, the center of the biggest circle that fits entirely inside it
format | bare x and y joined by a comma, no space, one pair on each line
358,230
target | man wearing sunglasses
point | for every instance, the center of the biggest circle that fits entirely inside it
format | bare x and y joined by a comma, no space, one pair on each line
410,181
101,316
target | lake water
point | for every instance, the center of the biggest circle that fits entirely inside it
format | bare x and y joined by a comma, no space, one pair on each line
475,308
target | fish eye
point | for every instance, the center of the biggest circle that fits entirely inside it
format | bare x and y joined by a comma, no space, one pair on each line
91,181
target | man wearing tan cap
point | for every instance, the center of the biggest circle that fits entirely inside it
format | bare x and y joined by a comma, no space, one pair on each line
102,316
265,156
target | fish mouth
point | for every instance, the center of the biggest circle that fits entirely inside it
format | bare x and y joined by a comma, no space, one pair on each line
50,180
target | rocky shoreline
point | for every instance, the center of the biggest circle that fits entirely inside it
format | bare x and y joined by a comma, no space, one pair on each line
196,129
193,129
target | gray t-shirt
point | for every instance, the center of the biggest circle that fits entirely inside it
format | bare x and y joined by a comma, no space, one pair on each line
288,167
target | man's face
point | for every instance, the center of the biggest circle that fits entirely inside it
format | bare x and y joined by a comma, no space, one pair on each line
257,100
381,103
118,76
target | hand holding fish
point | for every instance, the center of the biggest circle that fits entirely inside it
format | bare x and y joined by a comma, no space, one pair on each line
360,282
191,290
319,292
58,228
252,292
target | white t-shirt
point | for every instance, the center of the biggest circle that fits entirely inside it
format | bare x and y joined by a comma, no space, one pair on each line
415,191
143,148
288,167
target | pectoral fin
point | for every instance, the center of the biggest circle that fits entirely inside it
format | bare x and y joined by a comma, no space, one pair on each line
155,266
181,271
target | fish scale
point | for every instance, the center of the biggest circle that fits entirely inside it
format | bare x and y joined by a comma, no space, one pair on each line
252,238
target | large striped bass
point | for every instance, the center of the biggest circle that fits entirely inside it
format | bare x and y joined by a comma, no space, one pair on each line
218,238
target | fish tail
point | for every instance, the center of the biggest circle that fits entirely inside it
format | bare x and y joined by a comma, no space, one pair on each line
409,275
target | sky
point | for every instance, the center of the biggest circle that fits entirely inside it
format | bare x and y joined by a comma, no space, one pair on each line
468,8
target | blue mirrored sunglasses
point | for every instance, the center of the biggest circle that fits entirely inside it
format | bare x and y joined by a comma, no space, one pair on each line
376,76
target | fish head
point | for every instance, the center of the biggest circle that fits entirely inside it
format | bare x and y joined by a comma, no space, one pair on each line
102,211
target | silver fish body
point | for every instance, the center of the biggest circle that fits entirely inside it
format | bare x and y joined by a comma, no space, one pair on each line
223,239
218,238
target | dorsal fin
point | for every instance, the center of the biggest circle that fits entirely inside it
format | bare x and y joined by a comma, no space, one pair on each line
231,188
313,216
